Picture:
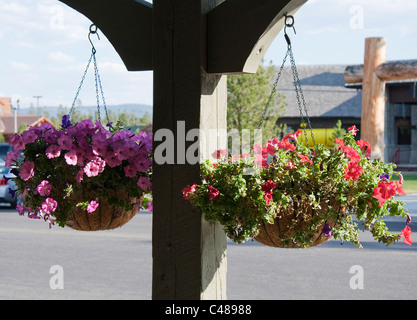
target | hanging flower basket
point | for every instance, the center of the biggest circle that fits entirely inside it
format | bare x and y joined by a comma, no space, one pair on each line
297,220
286,195
82,176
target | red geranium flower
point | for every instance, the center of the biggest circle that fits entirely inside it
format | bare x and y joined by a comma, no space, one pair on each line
267,197
384,191
400,188
213,193
304,158
353,130
293,136
353,171
286,144
365,147
218,154
268,186
272,146
406,235
187,190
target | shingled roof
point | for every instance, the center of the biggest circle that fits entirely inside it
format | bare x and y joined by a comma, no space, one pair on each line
324,92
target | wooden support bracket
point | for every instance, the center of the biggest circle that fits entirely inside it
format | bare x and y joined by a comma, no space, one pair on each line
239,32
126,23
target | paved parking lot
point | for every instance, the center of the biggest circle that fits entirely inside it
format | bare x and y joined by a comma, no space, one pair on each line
118,264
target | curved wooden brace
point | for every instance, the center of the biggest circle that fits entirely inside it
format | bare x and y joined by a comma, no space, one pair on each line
239,32
126,23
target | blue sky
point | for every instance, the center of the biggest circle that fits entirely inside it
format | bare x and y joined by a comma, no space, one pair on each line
44,47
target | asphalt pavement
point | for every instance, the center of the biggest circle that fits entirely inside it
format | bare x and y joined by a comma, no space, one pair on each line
39,263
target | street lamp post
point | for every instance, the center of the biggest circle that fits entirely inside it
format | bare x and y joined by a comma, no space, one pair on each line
37,104
15,115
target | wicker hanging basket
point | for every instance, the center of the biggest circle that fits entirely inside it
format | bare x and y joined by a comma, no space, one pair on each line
299,218
105,217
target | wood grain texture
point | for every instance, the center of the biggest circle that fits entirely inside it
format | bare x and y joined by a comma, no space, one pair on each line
127,24
187,252
241,31
389,71
373,97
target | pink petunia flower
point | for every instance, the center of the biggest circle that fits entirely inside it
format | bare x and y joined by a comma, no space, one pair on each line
65,141
130,171
71,158
94,167
144,183
29,136
79,176
49,205
27,170
11,157
53,151
17,142
44,188
92,206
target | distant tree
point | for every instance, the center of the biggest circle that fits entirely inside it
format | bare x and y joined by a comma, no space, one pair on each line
338,131
247,98
146,119
23,127
128,119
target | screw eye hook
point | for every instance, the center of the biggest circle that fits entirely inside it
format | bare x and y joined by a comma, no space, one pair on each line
93,30
289,22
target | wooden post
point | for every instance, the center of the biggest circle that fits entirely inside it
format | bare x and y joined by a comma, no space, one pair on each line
373,75
373,97
189,254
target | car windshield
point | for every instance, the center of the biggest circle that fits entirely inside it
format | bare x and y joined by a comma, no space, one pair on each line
4,148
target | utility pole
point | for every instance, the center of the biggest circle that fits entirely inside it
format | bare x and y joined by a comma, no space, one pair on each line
37,104
15,115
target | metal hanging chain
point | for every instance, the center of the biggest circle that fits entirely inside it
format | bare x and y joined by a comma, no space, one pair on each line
289,22
274,89
99,87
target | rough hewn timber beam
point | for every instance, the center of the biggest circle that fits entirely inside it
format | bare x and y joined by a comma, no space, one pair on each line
239,33
126,23
389,71
373,97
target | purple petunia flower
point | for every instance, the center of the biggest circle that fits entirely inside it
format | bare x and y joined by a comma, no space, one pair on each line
327,230
66,123
12,192
384,176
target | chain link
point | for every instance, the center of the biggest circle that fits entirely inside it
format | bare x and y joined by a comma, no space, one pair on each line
98,85
301,100
305,119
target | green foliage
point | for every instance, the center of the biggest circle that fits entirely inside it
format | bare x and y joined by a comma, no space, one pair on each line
247,97
338,131
77,115
317,188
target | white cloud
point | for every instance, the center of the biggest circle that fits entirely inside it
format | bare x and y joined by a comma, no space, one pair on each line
21,66
58,56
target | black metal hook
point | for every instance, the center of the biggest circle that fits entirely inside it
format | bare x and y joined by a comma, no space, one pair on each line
93,30
289,22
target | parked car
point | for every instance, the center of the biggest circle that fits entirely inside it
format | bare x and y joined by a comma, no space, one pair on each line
5,184
4,148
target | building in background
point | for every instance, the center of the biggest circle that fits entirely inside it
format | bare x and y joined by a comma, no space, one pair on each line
7,124
329,99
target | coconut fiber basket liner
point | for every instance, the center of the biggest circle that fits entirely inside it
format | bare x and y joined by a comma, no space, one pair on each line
105,217
298,217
